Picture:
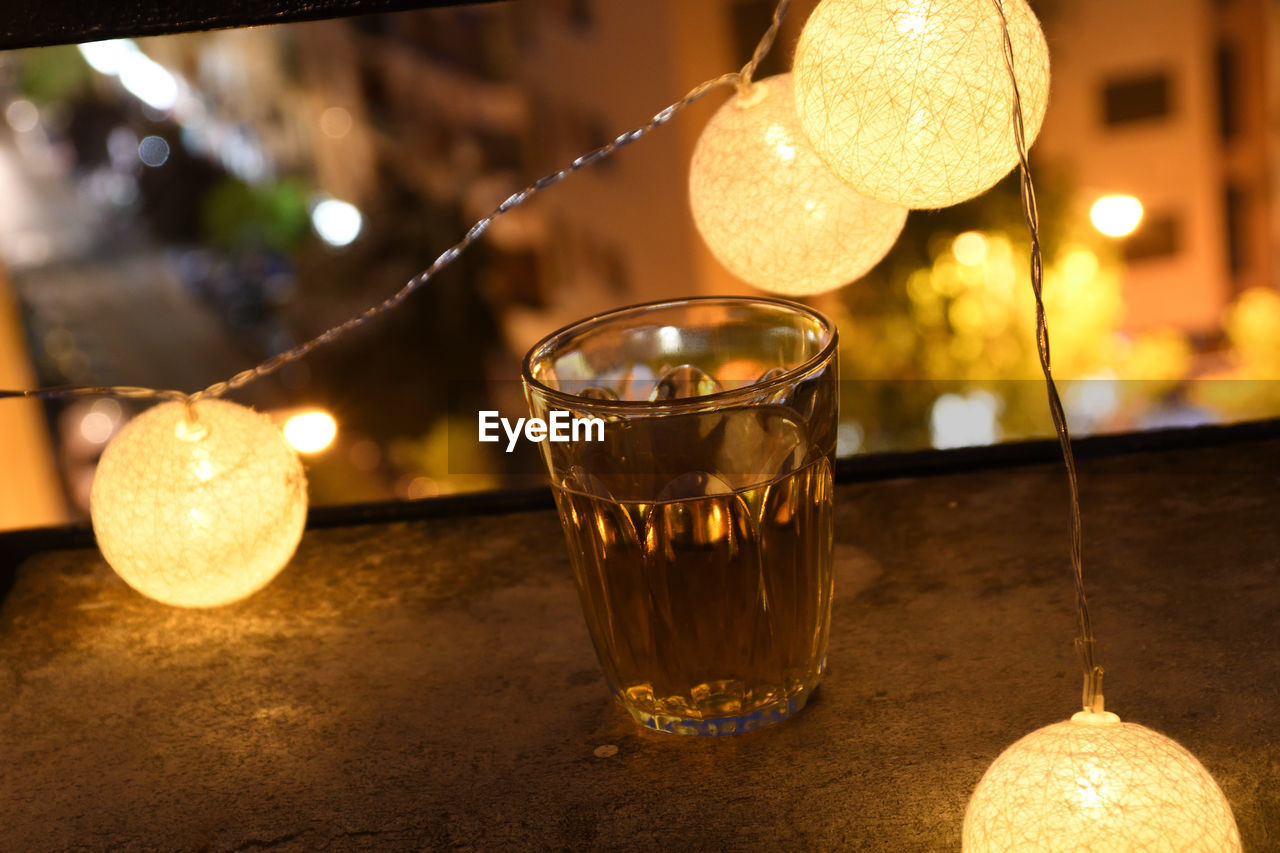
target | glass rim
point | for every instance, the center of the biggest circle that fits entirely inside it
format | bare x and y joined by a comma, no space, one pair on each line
682,403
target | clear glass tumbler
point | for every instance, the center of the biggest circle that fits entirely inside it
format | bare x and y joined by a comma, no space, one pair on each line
695,494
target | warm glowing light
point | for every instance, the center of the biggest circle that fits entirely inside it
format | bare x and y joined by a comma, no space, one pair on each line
198,513
970,248
337,222
910,100
1095,783
1116,215
1079,266
421,487
310,432
768,208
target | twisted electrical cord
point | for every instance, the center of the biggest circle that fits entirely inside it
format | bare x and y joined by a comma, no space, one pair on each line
1085,642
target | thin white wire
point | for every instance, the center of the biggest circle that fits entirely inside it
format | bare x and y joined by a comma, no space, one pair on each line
1085,642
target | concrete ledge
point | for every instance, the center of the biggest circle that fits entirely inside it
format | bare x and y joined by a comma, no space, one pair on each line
431,684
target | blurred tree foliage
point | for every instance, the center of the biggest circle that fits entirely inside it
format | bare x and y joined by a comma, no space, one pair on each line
50,74
931,319
1245,385
238,216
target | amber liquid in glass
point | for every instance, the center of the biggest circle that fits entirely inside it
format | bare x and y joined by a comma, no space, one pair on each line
709,611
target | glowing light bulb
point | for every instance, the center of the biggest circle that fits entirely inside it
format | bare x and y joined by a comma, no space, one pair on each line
910,100
1116,215
1095,783
310,432
768,208
337,222
198,513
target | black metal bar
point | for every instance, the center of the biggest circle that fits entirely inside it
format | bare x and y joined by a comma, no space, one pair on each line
35,23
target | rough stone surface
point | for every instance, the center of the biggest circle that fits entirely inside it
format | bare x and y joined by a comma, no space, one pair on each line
431,684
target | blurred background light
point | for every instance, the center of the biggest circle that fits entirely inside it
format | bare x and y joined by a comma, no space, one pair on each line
335,122
310,432
107,57
144,78
22,115
270,123
1116,215
153,151
100,422
149,81
337,222
965,421
970,248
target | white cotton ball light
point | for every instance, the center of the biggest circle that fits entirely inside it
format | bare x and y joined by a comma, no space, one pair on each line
198,512
1093,783
768,208
910,100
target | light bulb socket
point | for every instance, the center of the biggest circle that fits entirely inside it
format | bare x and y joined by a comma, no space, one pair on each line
1095,718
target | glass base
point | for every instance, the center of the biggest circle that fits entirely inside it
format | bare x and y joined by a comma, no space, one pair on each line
717,726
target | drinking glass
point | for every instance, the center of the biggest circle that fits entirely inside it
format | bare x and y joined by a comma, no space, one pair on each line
695,494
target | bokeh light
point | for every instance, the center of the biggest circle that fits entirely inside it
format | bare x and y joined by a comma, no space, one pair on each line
965,421
1116,215
143,77
107,57
22,115
337,222
153,151
970,248
310,432
335,122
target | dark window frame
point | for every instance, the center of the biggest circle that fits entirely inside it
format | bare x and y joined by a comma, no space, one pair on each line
1138,98
1159,237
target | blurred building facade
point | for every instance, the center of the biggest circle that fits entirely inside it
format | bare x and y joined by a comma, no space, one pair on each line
1176,104
425,121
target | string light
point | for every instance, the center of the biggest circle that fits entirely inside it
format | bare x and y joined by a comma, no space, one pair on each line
1095,783
1091,783
200,502
904,99
199,505
769,208
149,503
